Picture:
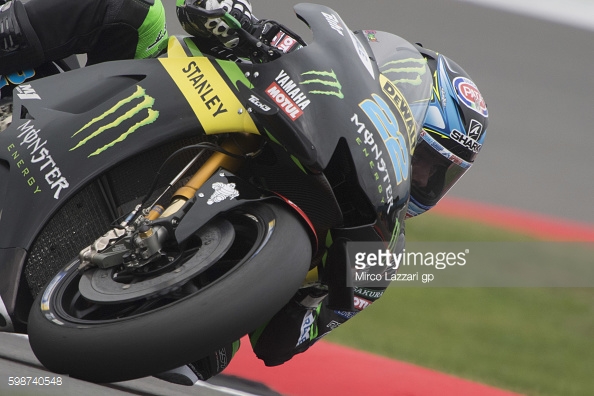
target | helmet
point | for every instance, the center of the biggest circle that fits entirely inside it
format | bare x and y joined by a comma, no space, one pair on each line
452,135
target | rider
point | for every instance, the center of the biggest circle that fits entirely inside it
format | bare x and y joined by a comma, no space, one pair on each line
451,137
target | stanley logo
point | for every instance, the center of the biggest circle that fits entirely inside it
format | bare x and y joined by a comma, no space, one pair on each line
409,71
331,85
139,103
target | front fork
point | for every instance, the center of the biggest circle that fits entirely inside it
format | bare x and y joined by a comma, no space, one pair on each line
237,144
146,241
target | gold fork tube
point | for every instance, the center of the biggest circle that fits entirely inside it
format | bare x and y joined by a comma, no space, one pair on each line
238,144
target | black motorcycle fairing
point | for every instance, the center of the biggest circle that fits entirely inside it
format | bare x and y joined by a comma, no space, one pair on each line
317,86
332,90
98,108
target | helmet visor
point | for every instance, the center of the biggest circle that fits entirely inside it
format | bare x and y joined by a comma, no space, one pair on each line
434,170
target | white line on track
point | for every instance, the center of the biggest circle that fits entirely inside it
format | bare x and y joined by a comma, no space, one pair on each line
579,13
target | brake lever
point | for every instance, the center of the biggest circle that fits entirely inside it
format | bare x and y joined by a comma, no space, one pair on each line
217,13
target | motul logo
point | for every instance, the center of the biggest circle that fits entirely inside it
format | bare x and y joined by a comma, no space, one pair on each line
361,303
284,101
287,95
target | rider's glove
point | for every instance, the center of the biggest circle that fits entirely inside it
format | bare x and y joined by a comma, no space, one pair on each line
239,9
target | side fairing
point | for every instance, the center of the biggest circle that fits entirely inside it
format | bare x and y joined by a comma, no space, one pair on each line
70,128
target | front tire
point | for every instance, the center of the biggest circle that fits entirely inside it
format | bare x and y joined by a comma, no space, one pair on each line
117,342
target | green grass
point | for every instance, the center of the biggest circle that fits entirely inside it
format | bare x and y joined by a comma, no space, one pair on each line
531,340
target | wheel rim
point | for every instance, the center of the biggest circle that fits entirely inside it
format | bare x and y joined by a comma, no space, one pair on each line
63,303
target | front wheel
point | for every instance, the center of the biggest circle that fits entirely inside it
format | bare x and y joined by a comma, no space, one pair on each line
260,257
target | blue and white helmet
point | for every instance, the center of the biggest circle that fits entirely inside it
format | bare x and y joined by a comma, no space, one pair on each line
452,135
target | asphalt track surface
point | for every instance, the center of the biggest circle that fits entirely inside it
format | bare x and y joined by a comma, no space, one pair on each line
537,79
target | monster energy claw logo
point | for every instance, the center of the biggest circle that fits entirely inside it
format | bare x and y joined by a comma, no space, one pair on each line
146,102
413,68
327,79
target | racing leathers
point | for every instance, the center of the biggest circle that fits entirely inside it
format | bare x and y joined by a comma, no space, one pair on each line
39,31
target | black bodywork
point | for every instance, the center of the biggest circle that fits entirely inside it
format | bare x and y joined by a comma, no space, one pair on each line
329,156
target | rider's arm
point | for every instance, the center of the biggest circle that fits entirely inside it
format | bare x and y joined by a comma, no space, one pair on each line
43,31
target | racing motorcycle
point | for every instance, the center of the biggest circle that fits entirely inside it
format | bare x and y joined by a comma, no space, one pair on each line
152,211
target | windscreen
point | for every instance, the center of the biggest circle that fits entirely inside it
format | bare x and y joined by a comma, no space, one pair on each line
405,67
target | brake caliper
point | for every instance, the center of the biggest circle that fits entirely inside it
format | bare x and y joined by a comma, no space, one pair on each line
108,250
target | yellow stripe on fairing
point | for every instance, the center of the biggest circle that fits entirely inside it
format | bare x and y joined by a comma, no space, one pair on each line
216,106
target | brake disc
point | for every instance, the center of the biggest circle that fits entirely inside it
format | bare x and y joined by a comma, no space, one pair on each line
98,285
